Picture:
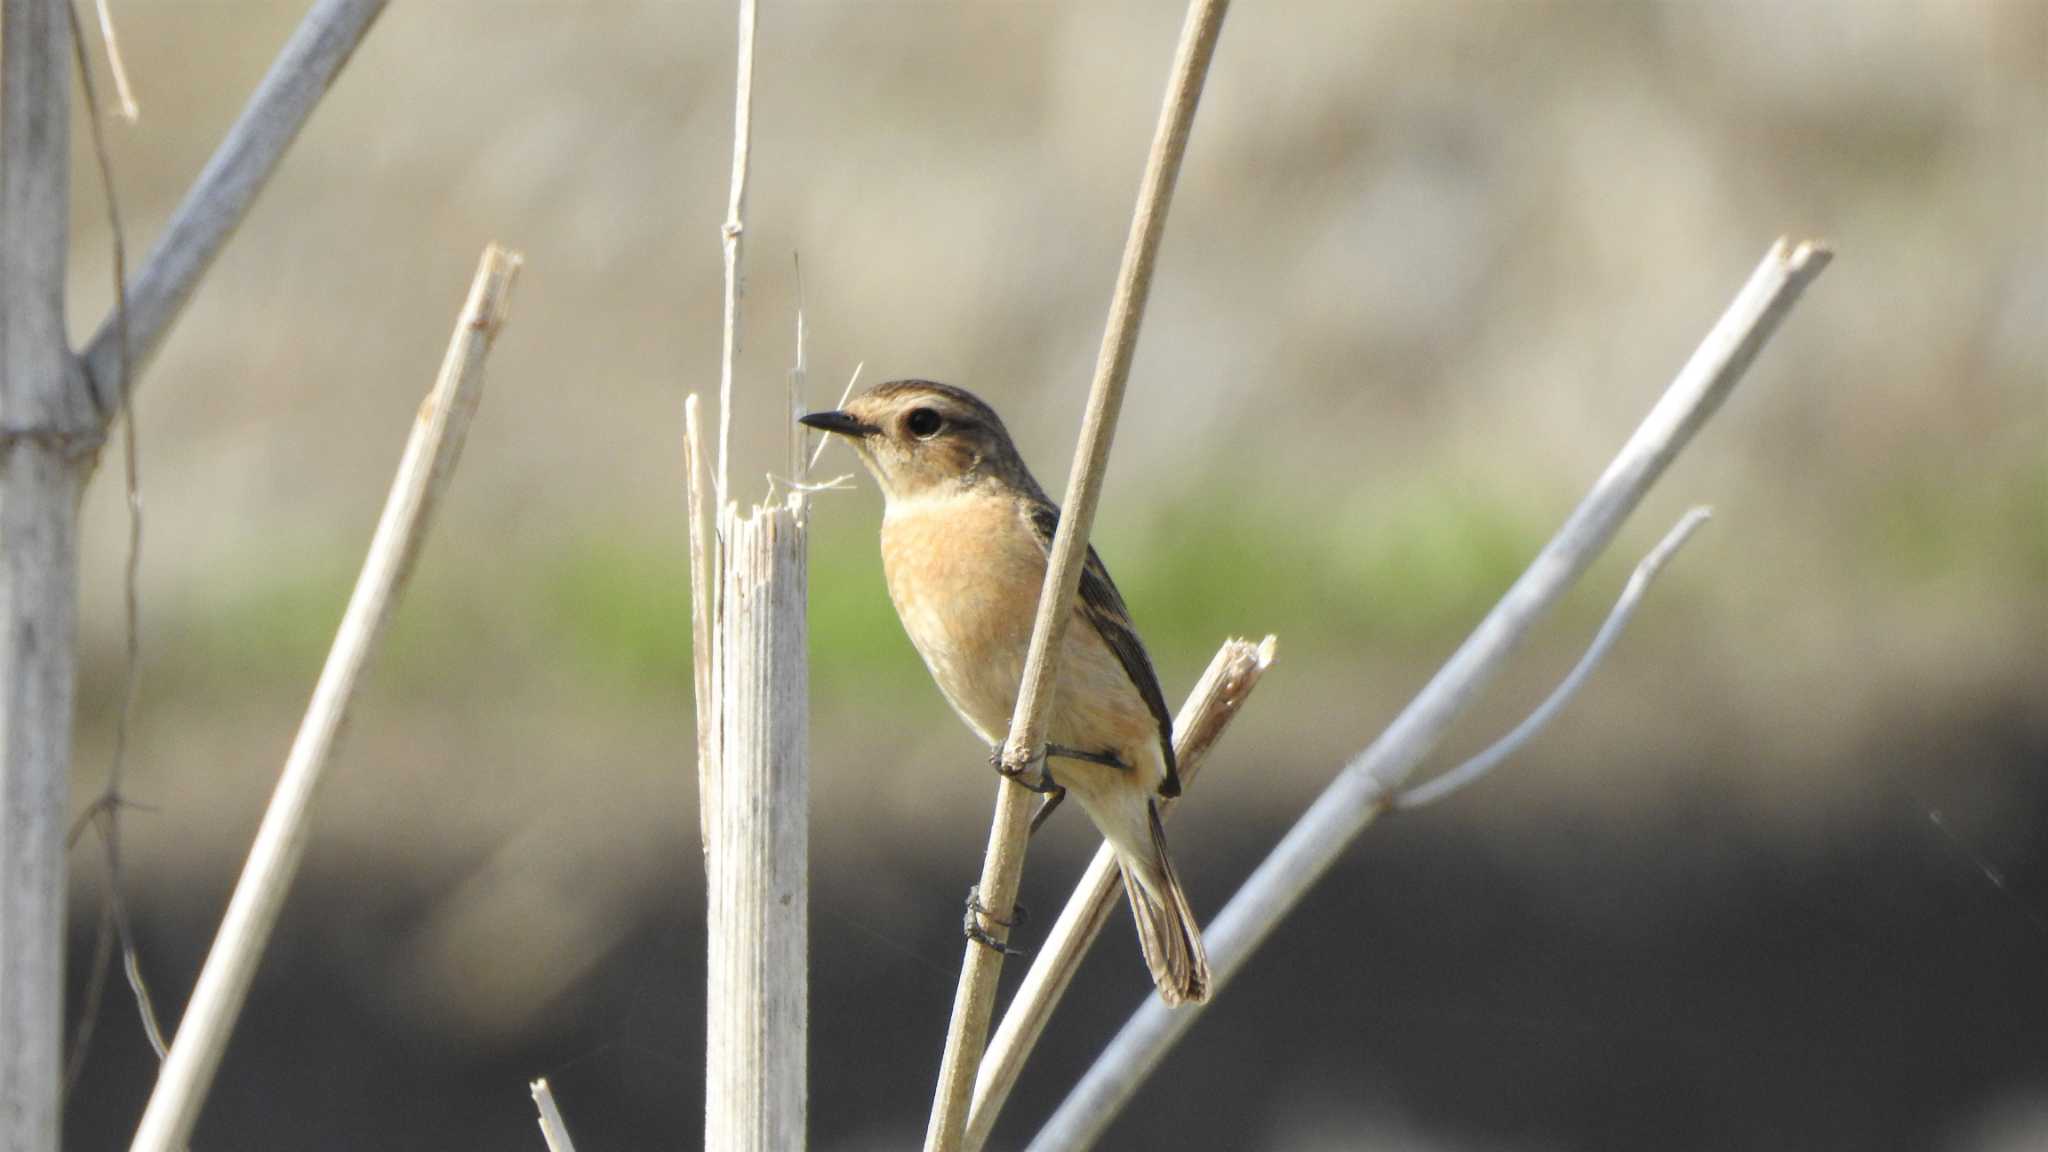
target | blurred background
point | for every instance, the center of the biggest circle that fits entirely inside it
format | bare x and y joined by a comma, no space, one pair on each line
1778,878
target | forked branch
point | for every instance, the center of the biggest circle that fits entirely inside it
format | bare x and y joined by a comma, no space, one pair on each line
1222,690
1372,783
217,202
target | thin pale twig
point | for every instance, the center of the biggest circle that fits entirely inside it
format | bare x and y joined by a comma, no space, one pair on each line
129,111
798,468
131,961
824,440
729,237
1471,770
840,483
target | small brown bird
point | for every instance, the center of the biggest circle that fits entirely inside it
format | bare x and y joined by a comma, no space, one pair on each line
965,539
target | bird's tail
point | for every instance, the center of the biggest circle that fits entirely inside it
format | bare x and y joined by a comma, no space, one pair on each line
1167,932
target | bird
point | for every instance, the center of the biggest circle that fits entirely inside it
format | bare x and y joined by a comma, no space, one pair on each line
966,536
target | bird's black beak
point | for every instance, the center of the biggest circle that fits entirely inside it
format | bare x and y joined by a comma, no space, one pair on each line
843,423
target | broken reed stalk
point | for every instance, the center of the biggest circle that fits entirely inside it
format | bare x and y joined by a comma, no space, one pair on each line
1373,783
1217,696
46,447
758,875
552,1129
423,473
216,203
749,584
974,1000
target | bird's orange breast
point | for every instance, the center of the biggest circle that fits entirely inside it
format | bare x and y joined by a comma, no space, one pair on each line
965,575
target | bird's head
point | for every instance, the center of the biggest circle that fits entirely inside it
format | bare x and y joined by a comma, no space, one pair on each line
922,439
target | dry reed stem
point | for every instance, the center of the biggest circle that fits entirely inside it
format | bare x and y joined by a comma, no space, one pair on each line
1371,783
115,66
754,782
702,611
729,238
214,207
974,1000
1234,671
46,444
757,880
423,473
552,1129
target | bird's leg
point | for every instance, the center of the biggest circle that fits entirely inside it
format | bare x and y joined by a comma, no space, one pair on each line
1053,794
1045,807
1044,786
976,911
1106,759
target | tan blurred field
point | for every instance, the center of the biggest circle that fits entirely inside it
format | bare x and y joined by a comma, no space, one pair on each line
1429,263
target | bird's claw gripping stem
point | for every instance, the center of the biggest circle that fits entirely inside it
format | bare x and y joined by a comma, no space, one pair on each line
977,912
1019,774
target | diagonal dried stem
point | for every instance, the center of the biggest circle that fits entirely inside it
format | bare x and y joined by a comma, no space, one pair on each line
214,207
423,473
974,1000
552,1129
1371,783
1217,696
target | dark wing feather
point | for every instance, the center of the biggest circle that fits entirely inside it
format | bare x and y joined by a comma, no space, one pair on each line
1103,607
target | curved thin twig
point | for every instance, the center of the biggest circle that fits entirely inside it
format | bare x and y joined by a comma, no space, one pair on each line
115,65
104,813
1455,780
1369,784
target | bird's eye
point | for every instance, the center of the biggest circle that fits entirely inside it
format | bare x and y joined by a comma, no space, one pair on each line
923,423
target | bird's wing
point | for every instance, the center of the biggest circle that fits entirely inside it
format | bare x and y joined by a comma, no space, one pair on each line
1103,607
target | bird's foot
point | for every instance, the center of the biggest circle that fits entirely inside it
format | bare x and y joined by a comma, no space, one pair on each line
977,912
1018,774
